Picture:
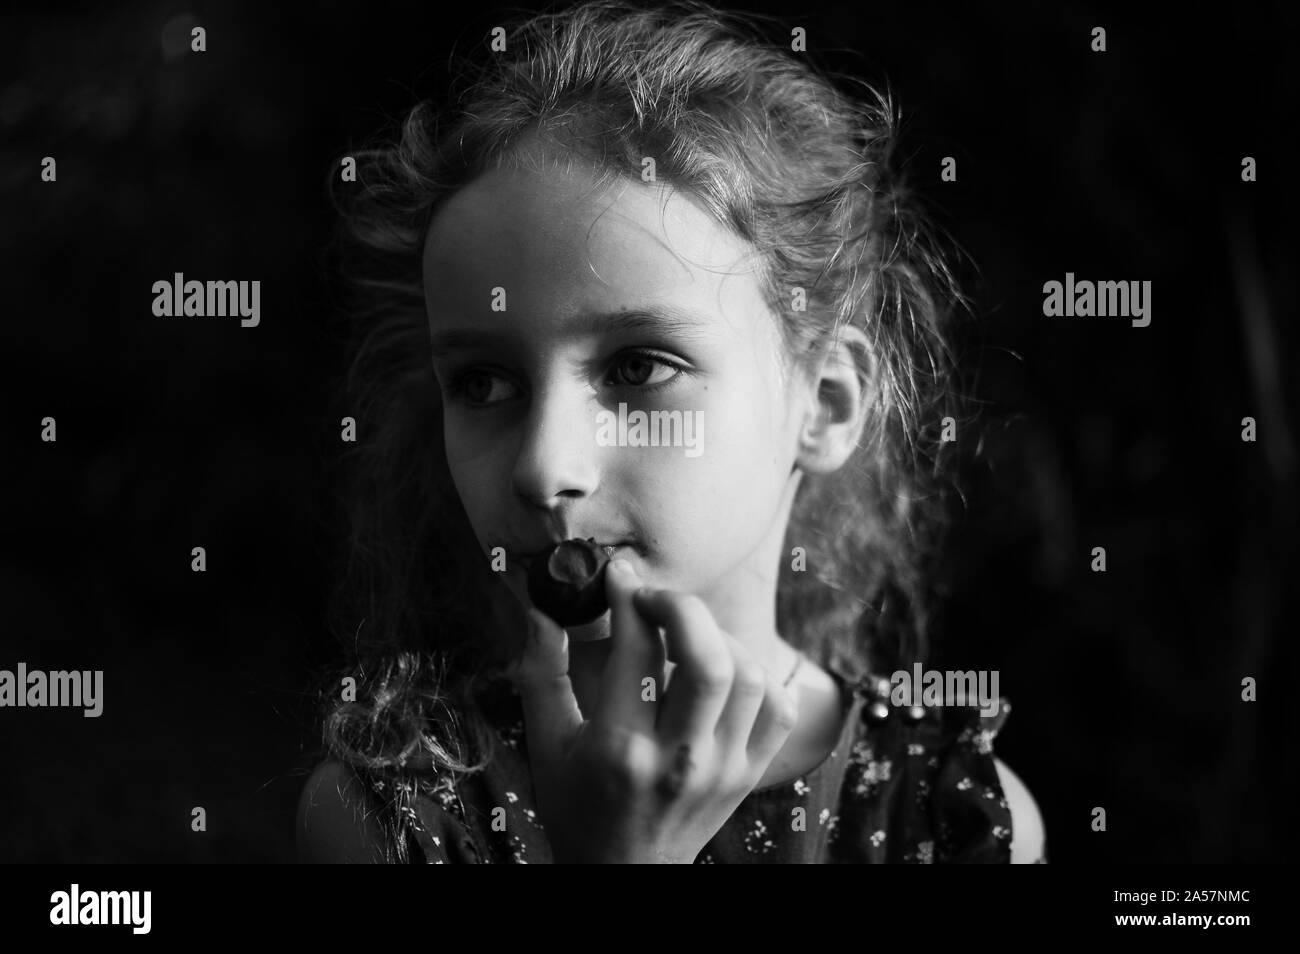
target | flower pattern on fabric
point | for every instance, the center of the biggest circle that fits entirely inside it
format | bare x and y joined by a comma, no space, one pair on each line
869,771
916,791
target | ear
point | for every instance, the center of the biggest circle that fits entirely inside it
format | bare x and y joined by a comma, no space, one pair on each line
843,389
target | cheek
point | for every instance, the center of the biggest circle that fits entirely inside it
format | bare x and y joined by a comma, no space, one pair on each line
743,440
744,460
471,475
722,497
464,441
475,448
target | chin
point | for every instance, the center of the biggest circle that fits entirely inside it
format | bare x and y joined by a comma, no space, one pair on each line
597,629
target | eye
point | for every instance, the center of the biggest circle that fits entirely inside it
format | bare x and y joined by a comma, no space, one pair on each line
641,365
476,387
482,388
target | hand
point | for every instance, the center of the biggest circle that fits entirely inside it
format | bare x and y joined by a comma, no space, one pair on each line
648,780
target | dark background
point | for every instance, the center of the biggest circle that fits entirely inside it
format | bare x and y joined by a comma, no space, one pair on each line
1123,166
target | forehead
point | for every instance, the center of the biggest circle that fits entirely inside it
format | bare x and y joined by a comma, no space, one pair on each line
561,234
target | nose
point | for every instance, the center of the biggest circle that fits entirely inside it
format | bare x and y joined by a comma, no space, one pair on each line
558,454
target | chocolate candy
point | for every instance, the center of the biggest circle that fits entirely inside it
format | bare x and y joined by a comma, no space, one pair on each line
567,582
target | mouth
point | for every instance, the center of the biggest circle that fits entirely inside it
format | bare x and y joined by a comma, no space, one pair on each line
611,550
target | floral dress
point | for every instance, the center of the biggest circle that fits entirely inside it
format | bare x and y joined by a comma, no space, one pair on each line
913,786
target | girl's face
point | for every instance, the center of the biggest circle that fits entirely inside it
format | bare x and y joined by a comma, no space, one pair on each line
554,303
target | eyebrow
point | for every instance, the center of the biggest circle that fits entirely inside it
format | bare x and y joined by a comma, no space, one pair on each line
662,319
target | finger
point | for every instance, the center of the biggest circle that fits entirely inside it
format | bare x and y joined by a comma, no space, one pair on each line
551,713
637,654
748,690
690,708
776,719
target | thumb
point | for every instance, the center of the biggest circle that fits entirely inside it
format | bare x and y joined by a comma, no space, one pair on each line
551,713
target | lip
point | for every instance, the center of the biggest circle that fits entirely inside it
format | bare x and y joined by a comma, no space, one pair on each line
611,549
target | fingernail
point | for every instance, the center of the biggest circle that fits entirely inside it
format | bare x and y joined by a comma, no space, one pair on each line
621,565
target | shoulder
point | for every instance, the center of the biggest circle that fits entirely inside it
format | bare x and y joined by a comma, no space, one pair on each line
1028,839
335,822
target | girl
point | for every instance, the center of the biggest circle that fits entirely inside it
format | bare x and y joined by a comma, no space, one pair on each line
659,190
